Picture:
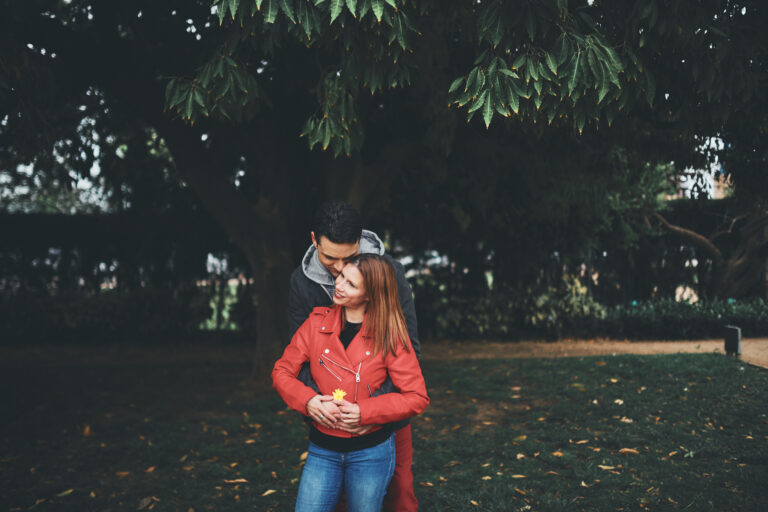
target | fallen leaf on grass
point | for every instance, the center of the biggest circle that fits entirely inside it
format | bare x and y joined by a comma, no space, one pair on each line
456,427
189,467
520,456
250,441
673,453
552,473
521,438
521,492
66,493
303,456
486,477
443,479
624,419
519,476
150,469
146,502
87,431
629,450
557,453
583,484
606,468
236,481
426,484
474,503
274,475
600,363
92,495
268,492
583,441
122,474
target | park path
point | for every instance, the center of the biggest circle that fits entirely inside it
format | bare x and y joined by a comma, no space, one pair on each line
753,350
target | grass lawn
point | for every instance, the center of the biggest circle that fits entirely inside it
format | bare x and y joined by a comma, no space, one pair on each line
682,432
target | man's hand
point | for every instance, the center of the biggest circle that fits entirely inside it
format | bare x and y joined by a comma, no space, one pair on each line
324,410
350,414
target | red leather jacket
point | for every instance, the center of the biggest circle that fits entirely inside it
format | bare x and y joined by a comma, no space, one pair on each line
355,370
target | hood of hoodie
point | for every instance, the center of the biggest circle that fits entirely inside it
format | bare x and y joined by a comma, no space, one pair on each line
370,243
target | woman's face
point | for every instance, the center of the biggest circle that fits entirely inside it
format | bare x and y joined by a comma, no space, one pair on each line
350,289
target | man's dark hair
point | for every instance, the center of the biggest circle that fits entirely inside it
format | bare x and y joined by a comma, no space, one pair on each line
339,222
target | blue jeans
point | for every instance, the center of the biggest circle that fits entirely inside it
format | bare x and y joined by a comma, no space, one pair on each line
363,474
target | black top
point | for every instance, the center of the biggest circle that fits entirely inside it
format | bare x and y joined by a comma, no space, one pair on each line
349,332
349,444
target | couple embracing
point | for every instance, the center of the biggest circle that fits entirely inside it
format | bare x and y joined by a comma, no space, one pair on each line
352,368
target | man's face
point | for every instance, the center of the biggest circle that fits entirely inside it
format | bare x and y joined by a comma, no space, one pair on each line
334,256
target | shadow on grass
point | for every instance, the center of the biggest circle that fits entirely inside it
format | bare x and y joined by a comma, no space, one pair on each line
682,432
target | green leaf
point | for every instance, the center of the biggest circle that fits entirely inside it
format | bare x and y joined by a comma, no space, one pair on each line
336,7
488,113
574,75
605,85
288,10
509,73
271,13
378,8
480,101
530,25
326,135
551,64
532,69
352,5
650,87
455,84
233,7
514,101
221,11
519,61
392,3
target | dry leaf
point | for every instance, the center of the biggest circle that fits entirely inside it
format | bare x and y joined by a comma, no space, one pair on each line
521,438
268,492
557,453
236,481
150,469
624,419
673,453
87,431
519,476
233,464
629,450
552,473
474,503
584,484
65,493
486,465
92,495
274,475
250,441
606,468
486,477
443,479
144,503
189,467
518,490
600,363
303,456
520,456
583,441
619,401
426,484
614,380
183,458
122,474
456,427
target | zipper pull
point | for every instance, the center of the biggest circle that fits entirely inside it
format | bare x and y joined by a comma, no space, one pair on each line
357,377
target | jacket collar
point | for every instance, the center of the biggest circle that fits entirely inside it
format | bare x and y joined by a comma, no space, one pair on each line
332,322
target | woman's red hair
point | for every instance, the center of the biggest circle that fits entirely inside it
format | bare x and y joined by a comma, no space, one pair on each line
384,320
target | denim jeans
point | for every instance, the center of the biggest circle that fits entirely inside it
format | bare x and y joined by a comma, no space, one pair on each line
363,474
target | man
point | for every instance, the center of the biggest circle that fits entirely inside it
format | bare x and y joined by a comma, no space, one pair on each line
336,237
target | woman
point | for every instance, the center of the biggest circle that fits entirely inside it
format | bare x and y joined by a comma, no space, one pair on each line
352,346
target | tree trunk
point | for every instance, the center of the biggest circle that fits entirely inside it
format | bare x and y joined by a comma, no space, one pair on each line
259,230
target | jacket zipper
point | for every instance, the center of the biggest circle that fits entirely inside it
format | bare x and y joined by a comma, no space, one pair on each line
322,363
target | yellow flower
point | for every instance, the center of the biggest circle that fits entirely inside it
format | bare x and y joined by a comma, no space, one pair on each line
339,394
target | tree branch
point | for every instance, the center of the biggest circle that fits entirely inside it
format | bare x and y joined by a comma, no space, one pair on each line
694,238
